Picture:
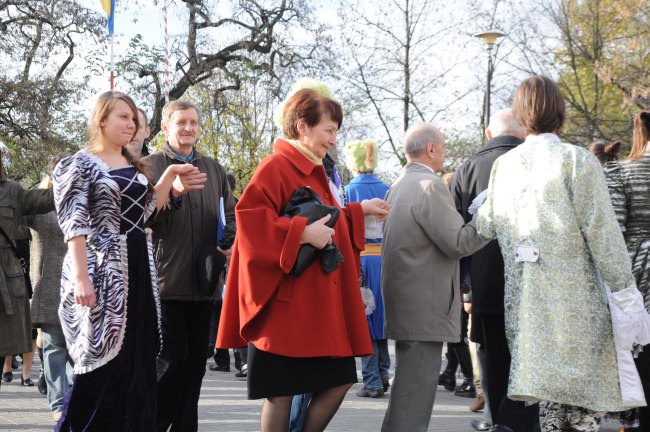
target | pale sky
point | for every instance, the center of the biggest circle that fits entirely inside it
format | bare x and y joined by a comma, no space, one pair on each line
146,18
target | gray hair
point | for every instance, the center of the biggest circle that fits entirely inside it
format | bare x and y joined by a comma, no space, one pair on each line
177,105
503,122
418,137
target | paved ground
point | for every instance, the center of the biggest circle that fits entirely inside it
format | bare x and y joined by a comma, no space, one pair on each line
223,407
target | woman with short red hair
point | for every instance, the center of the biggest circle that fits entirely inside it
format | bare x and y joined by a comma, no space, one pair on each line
303,332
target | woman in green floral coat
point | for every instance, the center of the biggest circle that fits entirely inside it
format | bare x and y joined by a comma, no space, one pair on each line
549,207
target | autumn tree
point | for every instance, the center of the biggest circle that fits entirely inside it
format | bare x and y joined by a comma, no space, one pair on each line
604,58
237,127
43,41
599,52
218,44
401,63
39,45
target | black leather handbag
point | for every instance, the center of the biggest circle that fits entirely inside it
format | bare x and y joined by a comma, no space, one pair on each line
307,203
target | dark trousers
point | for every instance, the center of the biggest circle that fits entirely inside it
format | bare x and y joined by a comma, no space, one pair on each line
643,366
221,356
515,415
181,364
458,353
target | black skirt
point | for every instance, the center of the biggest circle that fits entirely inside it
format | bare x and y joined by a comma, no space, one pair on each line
273,375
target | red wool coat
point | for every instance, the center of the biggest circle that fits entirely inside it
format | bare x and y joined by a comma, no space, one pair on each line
308,316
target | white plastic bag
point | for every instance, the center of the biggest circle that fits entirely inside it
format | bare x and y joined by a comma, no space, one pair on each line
631,325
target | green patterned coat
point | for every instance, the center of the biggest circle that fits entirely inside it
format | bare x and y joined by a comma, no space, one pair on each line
553,196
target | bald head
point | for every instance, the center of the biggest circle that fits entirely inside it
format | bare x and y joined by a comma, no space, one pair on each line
503,122
418,137
425,144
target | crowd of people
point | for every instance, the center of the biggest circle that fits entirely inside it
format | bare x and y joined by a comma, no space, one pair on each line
536,250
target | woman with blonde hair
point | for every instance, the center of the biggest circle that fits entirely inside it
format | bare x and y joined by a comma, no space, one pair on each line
629,186
110,309
361,158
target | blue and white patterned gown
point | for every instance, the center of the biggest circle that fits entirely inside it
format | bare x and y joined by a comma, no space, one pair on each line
114,344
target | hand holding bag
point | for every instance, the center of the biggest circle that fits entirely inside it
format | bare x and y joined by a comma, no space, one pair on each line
307,203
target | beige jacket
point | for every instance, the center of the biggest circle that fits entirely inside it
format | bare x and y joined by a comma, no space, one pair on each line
424,237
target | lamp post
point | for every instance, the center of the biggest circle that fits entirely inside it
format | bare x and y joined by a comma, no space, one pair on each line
489,38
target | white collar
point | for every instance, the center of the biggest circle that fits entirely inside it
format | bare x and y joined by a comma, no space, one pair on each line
544,137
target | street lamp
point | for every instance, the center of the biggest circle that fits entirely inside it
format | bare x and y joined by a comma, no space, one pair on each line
489,38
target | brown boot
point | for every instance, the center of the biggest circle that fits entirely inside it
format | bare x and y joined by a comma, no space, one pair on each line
478,403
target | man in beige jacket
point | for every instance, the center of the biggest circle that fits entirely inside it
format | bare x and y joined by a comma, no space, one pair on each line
424,237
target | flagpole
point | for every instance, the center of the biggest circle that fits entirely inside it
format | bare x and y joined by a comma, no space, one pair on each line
112,62
166,34
109,8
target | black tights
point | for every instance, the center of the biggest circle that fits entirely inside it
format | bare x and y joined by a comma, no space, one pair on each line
322,407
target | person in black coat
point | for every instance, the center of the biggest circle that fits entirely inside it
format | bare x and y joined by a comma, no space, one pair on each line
487,278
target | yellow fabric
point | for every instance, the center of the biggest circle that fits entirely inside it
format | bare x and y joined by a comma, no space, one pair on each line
371,249
300,84
304,150
106,5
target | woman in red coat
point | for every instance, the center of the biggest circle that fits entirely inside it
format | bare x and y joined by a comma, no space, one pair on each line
303,332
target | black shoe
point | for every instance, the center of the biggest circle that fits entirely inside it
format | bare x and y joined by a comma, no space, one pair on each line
7,376
466,389
364,392
481,425
42,384
385,383
501,428
237,361
243,373
217,368
14,362
27,382
447,380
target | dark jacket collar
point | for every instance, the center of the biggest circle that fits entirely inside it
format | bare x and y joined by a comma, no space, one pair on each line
294,156
169,151
505,141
